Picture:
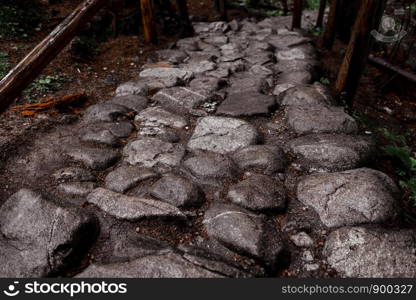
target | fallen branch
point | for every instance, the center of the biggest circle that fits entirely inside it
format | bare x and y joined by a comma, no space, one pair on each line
50,103
34,63
386,65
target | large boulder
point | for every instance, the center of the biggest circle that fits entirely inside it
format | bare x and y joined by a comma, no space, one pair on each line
369,252
258,193
307,119
350,197
243,231
40,238
222,135
331,152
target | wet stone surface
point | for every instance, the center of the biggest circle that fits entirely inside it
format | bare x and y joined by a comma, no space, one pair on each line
231,162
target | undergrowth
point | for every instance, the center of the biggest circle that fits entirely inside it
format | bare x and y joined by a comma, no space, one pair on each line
396,148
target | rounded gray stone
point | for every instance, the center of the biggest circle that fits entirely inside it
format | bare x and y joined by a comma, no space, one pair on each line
267,158
210,168
153,152
222,135
39,238
96,159
371,252
331,152
104,112
319,119
132,102
243,231
306,95
258,193
351,197
126,177
178,191
139,88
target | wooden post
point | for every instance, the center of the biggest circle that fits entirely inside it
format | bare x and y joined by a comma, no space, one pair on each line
148,21
321,14
331,25
285,7
356,57
297,14
187,28
37,59
223,10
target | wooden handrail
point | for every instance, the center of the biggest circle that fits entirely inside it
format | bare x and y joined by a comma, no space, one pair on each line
37,59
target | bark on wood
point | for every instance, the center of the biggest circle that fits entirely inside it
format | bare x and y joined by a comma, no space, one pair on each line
149,29
331,25
379,62
34,63
183,13
297,14
358,49
223,10
321,13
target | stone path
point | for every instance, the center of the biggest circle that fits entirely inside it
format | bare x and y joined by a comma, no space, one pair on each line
231,163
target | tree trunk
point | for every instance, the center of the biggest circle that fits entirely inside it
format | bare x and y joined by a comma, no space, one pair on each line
187,29
297,14
331,25
321,14
356,57
37,59
149,23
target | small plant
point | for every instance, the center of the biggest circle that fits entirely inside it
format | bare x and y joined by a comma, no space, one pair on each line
397,149
43,85
18,18
325,81
4,64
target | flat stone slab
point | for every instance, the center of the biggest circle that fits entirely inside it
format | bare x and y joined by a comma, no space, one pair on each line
246,104
296,77
258,193
210,168
331,152
96,159
319,119
104,112
126,177
176,190
39,238
222,135
372,253
139,88
351,197
162,133
267,158
156,117
103,137
164,265
206,85
132,102
306,95
182,98
153,152
132,208
243,231
163,73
